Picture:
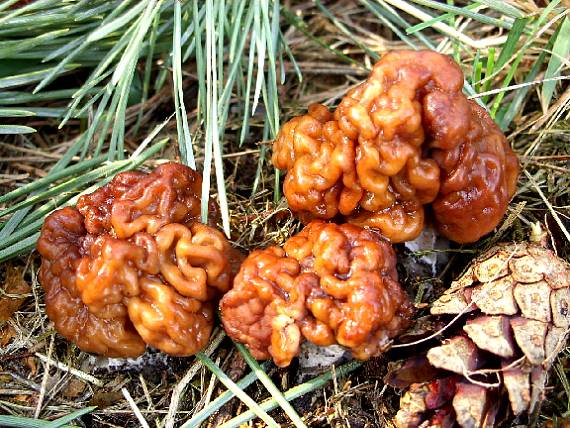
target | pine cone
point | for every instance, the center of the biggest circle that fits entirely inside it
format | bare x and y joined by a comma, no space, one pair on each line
511,310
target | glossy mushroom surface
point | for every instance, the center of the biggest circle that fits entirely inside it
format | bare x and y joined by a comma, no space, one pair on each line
329,284
405,138
131,266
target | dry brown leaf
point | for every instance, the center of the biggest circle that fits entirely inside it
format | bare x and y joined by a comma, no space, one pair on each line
560,422
13,285
7,333
104,398
74,388
32,364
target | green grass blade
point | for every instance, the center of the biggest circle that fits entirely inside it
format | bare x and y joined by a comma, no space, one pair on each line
6,4
503,7
258,35
560,53
271,96
213,123
81,14
125,71
23,246
220,400
442,17
346,31
99,114
77,46
14,112
17,218
236,30
270,386
247,91
147,71
199,23
12,224
118,23
133,48
17,97
489,70
51,178
240,34
260,163
293,393
206,85
184,138
302,26
505,84
395,17
30,76
27,8
56,112
11,48
212,147
237,391
515,105
461,11
61,421
15,129
23,422
386,19
221,20
106,62
291,58
66,186
510,47
86,90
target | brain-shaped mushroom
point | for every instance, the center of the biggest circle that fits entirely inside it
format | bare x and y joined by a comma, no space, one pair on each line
405,138
328,284
130,265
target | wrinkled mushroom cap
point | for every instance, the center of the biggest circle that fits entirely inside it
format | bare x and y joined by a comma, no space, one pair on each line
329,284
405,138
130,266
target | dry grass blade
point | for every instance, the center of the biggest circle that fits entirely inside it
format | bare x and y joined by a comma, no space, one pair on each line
178,391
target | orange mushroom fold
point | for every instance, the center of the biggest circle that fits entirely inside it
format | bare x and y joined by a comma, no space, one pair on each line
329,284
132,266
405,138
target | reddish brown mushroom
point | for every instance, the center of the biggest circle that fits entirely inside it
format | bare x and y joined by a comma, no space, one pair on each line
405,138
131,266
328,284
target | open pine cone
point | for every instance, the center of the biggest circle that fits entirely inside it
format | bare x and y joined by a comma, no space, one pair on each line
512,309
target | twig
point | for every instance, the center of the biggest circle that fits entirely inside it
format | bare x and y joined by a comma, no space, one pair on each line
44,380
135,408
76,372
146,393
181,386
549,205
446,29
517,86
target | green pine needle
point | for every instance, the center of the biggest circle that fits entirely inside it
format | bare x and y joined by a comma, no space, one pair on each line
237,391
295,392
270,386
22,422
